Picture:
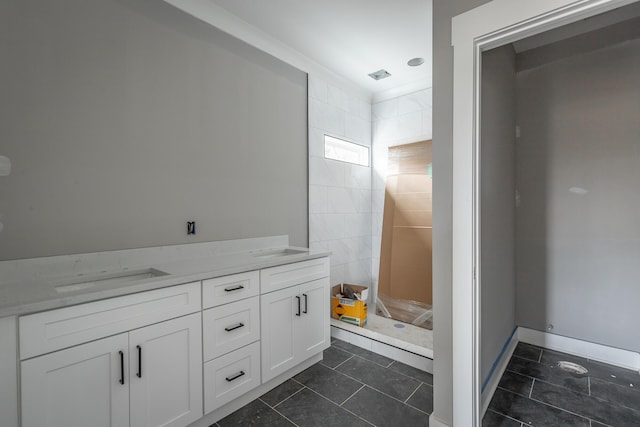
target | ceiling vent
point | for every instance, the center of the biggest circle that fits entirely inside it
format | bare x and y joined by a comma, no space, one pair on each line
379,75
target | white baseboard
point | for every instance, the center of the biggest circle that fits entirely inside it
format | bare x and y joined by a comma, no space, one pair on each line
436,422
602,353
497,373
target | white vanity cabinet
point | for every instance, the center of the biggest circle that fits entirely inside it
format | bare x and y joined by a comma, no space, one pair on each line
146,375
231,337
294,314
170,357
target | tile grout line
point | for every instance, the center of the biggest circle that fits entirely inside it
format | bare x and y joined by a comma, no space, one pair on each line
506,416
565,410
278,412
379,391
352,394
286,398
531,390
411,395
285,417
341,407
342,363
550,383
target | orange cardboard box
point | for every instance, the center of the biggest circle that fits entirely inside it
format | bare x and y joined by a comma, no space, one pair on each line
349,310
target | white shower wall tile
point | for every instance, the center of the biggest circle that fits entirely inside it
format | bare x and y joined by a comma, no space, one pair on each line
409,125
427,123
339,251
337,273
385,109
316,142
358,130
358,272
362,200
340,200
376,224
358,225
318,199
339,193
326,227
337,98
377,201
318,90
359,108
385,130
327,117
358,176
326,172
375,265
414,102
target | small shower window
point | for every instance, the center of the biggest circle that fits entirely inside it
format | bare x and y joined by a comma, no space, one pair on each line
345,151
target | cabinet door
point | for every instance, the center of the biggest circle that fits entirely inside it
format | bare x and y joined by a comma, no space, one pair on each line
166,373
78,387
311,328
278,314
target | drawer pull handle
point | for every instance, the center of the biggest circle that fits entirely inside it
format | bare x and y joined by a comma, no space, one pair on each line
298,298
121,367
235,288
235,377
139,374
305,304
233,328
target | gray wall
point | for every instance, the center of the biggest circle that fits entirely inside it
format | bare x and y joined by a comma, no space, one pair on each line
443,11
578,228
123,120
497,215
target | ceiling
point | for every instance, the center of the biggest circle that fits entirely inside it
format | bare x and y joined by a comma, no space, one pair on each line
348,39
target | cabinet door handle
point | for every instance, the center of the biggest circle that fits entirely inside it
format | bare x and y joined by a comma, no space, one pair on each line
298,298
235,288
305,304
235,377
233,328
139,374
121,367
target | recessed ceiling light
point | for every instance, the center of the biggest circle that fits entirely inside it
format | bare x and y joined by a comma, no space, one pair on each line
380,74
415,62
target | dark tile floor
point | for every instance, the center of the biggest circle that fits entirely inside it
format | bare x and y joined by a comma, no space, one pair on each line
350,387
534,391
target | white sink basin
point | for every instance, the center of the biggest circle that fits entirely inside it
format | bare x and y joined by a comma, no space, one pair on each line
106,280
273,253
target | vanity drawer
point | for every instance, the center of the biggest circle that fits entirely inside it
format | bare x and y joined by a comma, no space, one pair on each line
283,276
230,326
65,327
226,289
230,376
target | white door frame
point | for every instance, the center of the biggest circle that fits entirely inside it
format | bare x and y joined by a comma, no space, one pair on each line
494,24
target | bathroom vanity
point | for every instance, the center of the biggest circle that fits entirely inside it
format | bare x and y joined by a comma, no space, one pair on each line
174,343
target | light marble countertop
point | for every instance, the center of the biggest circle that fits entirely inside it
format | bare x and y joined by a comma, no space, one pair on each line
28,292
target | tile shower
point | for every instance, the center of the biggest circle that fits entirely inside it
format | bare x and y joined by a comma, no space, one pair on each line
346,201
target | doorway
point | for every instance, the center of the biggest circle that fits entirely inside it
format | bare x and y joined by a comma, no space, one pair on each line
492,25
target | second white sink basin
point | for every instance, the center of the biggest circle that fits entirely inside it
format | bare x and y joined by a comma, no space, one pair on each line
106,279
